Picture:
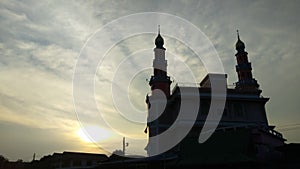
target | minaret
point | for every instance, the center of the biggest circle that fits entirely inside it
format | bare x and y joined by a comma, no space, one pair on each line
246,81
160,91
160,80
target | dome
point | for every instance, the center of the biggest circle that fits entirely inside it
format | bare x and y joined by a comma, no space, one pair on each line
159,42
239,46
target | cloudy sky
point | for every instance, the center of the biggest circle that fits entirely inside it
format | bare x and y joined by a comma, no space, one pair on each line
41,42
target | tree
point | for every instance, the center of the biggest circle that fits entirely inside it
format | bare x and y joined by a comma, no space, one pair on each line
3,160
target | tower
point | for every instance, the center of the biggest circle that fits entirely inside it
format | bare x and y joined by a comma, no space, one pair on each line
160,92
246,82
160,80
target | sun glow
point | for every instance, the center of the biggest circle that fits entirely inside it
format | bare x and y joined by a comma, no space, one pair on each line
91,134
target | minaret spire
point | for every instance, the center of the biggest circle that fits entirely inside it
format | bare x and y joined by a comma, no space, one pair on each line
160,79
239,46
159,41
246,81
158,29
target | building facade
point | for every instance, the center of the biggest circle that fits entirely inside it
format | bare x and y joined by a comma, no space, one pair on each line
243,133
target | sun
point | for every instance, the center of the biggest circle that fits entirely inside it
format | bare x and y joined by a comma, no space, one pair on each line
93,133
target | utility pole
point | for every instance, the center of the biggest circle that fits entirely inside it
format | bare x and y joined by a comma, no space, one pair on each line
124,145
33,158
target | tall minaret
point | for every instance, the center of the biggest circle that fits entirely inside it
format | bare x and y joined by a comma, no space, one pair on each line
160,91
160,80
246,81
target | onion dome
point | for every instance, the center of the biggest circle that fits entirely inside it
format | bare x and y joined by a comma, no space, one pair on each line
159,41
239,46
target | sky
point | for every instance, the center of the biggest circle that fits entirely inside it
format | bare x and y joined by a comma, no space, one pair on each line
41,43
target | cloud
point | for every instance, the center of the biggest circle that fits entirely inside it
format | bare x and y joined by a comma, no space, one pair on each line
40,44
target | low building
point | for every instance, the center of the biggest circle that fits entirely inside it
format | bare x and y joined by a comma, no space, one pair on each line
70,160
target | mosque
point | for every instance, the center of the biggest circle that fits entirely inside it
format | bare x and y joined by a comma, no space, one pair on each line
243,133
